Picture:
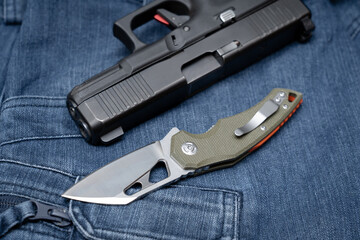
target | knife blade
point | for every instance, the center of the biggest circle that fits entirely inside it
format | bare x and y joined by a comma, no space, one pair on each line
226,143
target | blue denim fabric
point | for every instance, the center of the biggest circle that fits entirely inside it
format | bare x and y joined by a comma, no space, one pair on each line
302,184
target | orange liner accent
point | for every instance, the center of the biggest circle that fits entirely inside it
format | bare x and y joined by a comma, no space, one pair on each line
276,129
291,98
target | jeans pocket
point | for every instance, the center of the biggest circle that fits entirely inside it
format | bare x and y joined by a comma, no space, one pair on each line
26,182
178,212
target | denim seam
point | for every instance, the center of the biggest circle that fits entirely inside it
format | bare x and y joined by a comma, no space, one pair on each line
143,234
119,232
28,214
33,97
38,232
39,138
72,232
209,189
239,207
28,187
230,209
237,196
352,22
237,216
223,230
88,235
355,30
31,105
4,1
36,166
137,234
77,224
61,229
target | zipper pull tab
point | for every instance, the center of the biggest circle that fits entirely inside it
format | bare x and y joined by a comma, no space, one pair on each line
56,215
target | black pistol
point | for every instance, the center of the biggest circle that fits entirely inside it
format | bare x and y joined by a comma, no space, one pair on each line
209,40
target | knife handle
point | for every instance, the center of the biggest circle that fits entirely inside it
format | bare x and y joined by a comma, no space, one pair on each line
221,147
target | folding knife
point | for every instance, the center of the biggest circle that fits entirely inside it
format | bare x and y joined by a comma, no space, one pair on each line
227,142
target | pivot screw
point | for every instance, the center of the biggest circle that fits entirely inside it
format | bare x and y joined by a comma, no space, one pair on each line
263,128
189,148
285,106
282,94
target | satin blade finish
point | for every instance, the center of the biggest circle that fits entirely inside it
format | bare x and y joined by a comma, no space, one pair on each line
108,185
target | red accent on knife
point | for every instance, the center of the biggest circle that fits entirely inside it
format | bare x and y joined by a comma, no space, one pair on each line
161,19
276,129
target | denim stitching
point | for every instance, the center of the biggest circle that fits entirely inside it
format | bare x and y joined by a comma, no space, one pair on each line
143,234
355,33
72,232
56,227
29,188
78,225
208,189
351,23
26,215
119,232
354,27
31,105
137,234
229,207
31,198
36,166
86,234
237,216
33,97
4,10
15,13
237,206
42,233
40,138
223,230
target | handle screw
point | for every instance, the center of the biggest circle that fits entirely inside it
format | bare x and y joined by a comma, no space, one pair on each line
189,148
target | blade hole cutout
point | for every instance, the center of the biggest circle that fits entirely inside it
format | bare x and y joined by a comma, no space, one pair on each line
158,172
136,187
292,97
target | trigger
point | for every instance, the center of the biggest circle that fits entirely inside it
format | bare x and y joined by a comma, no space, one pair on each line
161,19
168,18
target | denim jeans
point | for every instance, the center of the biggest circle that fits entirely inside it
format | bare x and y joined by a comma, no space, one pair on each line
302,184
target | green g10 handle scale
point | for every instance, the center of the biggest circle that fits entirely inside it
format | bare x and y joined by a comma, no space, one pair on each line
226,143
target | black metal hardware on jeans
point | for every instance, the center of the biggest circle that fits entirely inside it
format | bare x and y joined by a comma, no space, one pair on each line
210,39
45,212
56,215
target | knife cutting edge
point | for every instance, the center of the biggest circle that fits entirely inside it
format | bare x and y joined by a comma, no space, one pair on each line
226,143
